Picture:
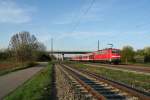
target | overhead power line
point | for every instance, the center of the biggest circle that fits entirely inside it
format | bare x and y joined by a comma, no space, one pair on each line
51,46
84,13
98,45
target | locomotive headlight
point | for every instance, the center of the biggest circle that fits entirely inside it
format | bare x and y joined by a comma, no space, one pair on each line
115,56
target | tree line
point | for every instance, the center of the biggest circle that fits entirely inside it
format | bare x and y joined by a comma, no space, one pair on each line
128,54
24,47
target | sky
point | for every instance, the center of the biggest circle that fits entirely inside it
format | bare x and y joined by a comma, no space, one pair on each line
78,24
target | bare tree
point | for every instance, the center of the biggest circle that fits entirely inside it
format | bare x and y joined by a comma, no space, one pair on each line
23,46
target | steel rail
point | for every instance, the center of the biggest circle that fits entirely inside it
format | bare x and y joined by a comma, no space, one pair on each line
133,91
90,90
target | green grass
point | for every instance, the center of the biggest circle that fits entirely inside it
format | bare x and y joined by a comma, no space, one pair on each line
140,81
141,64
37,88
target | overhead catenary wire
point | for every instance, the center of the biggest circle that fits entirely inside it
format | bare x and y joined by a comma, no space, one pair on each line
84,13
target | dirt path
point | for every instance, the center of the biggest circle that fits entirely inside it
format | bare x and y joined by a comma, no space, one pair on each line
11,81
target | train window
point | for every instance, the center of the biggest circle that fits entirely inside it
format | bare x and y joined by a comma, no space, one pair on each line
98,52
105,52
102,52
115,51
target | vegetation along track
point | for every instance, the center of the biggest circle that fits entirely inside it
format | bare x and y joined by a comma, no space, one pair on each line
102,88
127,67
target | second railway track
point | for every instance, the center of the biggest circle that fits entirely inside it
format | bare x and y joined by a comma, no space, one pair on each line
103,89
139,69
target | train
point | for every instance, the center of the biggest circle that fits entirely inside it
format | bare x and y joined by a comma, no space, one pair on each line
108,55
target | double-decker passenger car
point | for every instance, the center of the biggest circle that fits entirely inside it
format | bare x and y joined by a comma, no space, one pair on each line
110,55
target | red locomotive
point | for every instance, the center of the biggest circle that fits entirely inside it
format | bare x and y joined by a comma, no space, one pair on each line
110,55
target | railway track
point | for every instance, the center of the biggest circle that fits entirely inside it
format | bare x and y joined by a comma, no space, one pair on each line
101,88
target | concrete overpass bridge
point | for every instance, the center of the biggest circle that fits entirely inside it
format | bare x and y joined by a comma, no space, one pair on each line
69,52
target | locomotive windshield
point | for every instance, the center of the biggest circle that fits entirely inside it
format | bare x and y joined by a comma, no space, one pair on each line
116,51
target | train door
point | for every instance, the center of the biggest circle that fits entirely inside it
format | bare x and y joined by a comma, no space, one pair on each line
91,57
109,55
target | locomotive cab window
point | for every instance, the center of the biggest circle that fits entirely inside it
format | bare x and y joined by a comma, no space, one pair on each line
116,51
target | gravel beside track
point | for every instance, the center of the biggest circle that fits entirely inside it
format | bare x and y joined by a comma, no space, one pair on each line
68,88
63,87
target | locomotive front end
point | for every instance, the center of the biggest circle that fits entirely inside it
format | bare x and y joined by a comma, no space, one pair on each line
115,56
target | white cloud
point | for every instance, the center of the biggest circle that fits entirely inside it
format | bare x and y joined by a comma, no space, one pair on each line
11,12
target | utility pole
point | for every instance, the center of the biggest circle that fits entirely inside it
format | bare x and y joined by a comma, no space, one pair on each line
98,45
51,47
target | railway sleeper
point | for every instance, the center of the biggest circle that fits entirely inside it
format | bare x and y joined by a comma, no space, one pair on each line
108,91
75,86
80,91
115,97
104,91
84,94
101,86
128,97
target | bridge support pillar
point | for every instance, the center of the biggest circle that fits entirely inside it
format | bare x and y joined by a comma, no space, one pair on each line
62,56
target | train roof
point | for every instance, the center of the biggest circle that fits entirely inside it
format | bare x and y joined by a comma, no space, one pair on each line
87,54
109,49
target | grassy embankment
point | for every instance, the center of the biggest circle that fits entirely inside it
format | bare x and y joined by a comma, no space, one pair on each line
141,64
7,67
37,88
140,81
